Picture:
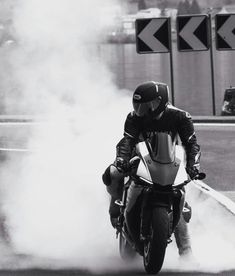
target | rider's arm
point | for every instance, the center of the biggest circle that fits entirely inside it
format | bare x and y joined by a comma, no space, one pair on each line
126,145
189,140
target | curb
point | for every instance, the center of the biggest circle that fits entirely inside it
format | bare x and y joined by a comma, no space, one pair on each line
222,199
214,119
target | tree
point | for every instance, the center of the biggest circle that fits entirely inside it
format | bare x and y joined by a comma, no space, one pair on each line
195,8
162,5
183,7
141,5
187,6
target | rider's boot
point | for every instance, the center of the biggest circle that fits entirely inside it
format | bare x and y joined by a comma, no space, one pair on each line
114,212
187,212
182,238
114,180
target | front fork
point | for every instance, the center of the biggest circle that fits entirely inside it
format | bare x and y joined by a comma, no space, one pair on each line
145,215
122,205
174,203
178,200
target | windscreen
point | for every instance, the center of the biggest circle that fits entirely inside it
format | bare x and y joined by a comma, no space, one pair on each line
162,147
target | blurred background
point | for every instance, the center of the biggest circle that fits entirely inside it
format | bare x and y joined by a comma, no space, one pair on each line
116,47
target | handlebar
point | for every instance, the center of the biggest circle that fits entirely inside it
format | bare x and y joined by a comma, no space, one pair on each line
135,161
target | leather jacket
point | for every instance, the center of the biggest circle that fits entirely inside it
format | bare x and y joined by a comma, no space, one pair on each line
174,121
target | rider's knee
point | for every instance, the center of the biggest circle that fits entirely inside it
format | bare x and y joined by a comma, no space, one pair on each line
113,179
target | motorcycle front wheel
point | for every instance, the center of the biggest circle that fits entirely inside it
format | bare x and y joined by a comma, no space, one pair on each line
155,246
127,253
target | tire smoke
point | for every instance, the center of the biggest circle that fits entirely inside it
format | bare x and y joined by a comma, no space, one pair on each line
56,205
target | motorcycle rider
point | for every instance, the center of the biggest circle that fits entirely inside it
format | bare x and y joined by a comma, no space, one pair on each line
153,113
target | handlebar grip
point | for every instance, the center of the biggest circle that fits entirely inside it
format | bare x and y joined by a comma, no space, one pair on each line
200,176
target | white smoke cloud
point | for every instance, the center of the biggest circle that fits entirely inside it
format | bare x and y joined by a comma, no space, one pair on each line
212,238
211,229
54,201
56,206
56,59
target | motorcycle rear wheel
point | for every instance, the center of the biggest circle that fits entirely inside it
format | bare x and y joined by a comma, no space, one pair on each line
155,247
127,253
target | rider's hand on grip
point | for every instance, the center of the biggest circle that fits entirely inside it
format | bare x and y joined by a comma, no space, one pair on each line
192,171
121,164
200,176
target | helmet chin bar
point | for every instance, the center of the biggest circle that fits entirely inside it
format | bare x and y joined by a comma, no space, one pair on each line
159,115
155,115
151,116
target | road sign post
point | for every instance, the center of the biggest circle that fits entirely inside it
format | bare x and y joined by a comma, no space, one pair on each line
212,67
225,32
172,69
153,35
195,34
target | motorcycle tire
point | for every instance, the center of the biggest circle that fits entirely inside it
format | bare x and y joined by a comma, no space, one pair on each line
155,247
127,253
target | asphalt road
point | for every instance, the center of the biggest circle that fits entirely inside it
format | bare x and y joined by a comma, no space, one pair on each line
41,272
218,154
215,140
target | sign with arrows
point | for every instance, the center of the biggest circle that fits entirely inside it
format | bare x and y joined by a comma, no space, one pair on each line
153,35
225,31
193,32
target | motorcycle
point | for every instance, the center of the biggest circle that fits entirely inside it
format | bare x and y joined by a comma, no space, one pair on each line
152,201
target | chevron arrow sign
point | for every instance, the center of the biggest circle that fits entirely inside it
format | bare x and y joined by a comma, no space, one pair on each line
153,35
225,31
193,32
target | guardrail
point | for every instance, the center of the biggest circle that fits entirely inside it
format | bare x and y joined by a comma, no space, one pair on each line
31,119
214,119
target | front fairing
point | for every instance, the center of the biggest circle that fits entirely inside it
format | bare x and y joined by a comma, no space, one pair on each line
151,181
163,164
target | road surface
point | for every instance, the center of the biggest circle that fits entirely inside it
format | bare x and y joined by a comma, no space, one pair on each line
12,263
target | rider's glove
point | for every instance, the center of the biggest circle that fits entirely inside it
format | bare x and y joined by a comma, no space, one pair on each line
192,171
121,164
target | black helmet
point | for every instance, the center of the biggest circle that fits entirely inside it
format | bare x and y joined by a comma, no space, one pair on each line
150,99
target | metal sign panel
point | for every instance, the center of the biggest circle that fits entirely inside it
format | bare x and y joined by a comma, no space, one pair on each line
193,32
153,35
225,31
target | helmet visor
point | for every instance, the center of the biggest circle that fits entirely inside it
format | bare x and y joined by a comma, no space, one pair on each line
144,109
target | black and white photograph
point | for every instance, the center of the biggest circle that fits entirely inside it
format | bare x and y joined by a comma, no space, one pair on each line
117,137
